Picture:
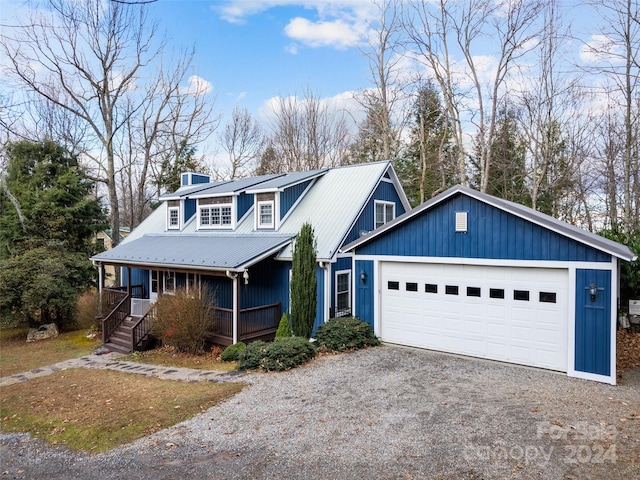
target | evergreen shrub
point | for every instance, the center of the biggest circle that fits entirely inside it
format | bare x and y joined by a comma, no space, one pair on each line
282,354
284,327
345,333
232,352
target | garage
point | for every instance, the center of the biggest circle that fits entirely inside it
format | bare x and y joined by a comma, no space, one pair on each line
517,315
472,274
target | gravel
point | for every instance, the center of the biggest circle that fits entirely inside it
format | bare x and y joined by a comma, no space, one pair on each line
384,412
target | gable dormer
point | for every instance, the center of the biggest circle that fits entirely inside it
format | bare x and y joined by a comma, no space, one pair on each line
217,212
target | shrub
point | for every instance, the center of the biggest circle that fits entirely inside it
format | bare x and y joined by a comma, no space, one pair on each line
281,354
87,310
345,333
232,352
184,322
284,327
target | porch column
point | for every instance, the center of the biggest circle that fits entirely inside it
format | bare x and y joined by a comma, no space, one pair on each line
100,287
236,308
129,281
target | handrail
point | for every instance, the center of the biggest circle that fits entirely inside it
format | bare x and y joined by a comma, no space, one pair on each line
115,318
142,328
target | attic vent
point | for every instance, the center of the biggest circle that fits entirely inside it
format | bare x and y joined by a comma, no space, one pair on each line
461,221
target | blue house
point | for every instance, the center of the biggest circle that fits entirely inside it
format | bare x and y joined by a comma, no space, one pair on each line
235,238
471,274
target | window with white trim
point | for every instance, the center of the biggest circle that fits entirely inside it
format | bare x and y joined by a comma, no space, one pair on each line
173,221
343,293
265,214
384,212
169,283
214,216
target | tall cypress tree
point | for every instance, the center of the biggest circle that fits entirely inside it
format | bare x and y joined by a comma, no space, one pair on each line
303,283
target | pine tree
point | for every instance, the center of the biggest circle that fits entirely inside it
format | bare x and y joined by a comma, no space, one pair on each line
303,283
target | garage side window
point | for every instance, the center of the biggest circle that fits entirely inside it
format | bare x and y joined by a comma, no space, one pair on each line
343,293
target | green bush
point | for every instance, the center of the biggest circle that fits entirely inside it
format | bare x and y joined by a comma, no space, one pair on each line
284,327
232,352
281,354
184,322
345,333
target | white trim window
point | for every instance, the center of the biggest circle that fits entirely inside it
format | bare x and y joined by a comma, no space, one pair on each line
215,216
343,293
169,283
266,214
384,212
173,218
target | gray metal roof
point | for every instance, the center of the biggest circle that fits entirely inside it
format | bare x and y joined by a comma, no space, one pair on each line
190,189
563,228
286,180
206,252
234,186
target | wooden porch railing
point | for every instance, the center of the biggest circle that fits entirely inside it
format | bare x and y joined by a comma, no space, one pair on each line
141,330
115,318
253,322
112,297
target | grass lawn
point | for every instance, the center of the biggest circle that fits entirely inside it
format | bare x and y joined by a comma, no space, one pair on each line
18,356
97,410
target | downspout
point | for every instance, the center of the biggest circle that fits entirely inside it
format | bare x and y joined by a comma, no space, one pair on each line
326,266
236,304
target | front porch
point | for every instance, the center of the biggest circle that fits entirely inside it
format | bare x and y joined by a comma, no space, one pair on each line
127,324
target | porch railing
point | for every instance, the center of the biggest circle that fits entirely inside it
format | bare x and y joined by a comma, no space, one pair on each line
253,322
142,328
115,318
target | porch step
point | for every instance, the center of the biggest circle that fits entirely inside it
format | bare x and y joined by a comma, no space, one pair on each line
120,339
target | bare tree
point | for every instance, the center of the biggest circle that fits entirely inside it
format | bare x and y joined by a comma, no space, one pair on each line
618,57
305,134
437,30
87,59
242,139
383,103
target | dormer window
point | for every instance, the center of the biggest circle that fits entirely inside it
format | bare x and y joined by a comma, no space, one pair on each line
173,215
215,213
384,212
265,214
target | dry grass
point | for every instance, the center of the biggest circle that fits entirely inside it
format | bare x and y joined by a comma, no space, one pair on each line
18,356
96,410
167,356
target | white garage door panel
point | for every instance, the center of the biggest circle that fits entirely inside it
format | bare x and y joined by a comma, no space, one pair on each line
528,332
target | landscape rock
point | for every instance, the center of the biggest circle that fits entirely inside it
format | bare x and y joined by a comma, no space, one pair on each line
49,330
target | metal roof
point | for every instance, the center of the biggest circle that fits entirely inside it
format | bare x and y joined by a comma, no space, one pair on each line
332,206
286,180
187,190
206,252
563,228
234,186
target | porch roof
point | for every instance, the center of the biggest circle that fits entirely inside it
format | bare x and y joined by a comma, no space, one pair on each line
215,252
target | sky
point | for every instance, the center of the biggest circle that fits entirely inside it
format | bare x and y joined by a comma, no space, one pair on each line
250,51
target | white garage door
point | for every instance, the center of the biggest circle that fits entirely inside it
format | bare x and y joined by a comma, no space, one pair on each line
517,315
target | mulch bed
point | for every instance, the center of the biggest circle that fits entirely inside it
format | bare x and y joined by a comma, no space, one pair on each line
628,350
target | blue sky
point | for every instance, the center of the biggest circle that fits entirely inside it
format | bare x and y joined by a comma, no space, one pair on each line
278,50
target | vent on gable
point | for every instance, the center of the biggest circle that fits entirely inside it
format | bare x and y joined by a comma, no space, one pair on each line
461,221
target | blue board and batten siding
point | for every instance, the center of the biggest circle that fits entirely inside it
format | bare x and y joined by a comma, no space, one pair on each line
491,233
385,191
290,196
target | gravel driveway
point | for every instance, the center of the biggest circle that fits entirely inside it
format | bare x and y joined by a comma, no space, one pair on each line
385,412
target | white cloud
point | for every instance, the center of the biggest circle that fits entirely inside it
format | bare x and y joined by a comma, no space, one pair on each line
600,48
335,33
197,86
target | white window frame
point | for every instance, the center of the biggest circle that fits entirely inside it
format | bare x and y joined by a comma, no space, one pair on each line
266,203
171,226
215,209
384,204
348,291
167,288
